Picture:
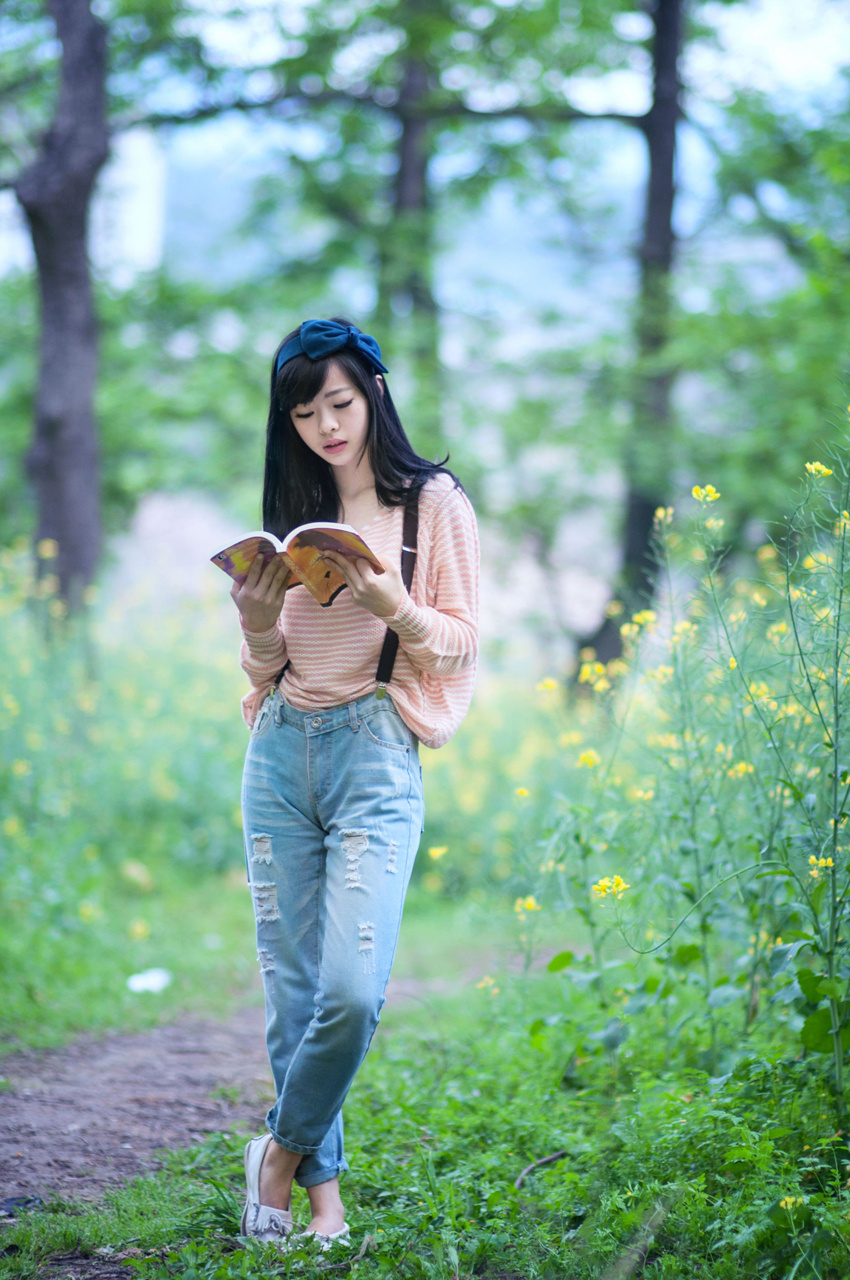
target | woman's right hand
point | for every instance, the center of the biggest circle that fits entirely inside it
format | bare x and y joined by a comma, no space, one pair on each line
260,597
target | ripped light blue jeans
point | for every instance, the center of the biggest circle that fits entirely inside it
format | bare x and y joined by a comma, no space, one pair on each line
332,809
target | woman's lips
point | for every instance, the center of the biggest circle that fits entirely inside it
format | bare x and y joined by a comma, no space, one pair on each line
335,446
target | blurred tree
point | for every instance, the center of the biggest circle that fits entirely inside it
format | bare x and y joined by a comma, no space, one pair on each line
54,190
386,84
54,140
647,456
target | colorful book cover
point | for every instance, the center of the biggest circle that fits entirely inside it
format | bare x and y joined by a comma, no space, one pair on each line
303,550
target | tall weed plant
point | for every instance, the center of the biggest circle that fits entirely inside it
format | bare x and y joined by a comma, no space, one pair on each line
720,796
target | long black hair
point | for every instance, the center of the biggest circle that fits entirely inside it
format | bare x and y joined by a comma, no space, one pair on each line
298,485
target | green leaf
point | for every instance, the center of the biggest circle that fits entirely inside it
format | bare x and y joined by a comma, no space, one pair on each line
687,954
723,995
795,791
818,895
816,1033
738,1153
561,961
830,989
612,1034
809,984
781,957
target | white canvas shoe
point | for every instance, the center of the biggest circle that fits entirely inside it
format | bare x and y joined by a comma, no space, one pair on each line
261,1221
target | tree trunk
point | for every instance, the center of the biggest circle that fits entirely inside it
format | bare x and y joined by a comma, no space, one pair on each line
55,193
406,263
648,450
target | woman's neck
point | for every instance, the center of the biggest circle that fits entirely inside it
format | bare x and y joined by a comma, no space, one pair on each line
357,497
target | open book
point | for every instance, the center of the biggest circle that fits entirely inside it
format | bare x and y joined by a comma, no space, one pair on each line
303,550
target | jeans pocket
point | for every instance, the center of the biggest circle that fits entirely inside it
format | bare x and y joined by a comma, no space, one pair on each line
387,729
264,719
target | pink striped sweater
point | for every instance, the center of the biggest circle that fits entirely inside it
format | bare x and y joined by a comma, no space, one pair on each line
333,653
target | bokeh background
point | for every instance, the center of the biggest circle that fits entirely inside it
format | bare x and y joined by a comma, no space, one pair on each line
605,250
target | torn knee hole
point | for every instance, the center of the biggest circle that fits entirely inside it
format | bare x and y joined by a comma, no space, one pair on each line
265,901
262,848
392,857
265,960
355,842
366,946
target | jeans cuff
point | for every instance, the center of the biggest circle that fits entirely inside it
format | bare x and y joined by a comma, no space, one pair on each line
322,1175
294,1146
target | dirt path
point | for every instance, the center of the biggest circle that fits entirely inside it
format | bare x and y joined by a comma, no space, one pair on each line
77,1120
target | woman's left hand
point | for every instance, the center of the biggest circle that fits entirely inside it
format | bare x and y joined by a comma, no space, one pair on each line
380,593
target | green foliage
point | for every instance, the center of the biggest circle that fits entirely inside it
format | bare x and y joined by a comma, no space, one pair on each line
119,777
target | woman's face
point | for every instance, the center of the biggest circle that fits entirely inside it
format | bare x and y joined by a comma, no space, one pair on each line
335,424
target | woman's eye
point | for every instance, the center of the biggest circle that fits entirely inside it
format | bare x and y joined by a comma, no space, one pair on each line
304,415
344,406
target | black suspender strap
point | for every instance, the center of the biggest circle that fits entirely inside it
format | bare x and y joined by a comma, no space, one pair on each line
409,538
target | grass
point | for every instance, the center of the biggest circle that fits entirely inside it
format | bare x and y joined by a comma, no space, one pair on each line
464,1089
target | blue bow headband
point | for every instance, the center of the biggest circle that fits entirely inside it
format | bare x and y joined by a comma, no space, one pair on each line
320,338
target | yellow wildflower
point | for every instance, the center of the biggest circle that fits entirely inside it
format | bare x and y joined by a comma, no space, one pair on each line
714,525
628,629
732,664
817,469
767,552
708,493
524,905
645,618
615,885
740,769
547,685
47,549
788,1202
663,515
602,684
614,608
590,672
588,759
661,674
522,791
438,851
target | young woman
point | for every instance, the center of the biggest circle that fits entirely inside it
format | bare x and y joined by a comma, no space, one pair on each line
332,792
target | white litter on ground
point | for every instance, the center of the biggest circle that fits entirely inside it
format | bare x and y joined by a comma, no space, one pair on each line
149,980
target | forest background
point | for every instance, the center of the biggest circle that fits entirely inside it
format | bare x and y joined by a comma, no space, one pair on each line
605,250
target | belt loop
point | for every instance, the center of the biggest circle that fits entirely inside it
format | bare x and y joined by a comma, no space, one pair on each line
352,717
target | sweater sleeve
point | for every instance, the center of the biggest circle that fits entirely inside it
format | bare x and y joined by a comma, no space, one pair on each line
443,638
263,654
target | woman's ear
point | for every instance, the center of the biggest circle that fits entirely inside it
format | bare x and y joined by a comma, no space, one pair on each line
380,383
